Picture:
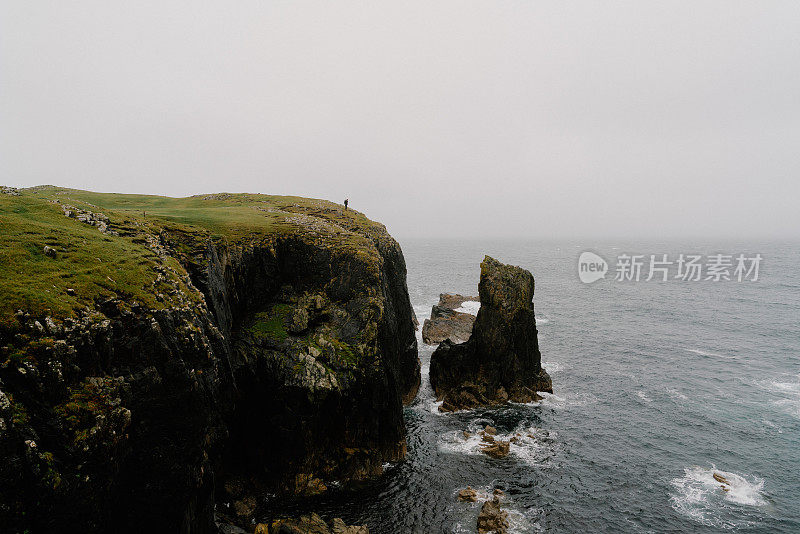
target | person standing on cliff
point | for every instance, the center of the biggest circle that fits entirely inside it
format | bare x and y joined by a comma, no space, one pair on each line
345,203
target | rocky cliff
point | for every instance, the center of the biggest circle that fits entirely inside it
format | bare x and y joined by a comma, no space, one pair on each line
501,360
166,355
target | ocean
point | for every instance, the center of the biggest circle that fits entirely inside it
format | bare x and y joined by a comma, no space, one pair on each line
657,386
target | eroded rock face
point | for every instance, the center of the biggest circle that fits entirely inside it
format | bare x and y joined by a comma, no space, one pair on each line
113,422
501,360
277,362
447,323
323,353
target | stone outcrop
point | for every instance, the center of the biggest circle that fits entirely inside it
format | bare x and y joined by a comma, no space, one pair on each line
491,445
271,357
496,448
468,495
447,323
88,217
501,360
309,524
492,518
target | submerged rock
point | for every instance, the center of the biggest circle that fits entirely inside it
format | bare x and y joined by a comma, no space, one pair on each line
725,484
719,478
446,322
500,361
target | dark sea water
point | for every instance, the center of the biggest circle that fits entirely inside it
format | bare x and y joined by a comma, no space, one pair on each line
657,386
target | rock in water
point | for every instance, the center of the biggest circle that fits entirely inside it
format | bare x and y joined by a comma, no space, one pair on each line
724,482
496,449
501,360
338,527
468,495
448,323
309,524
492,518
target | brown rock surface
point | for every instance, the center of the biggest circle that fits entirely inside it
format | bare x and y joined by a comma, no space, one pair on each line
497,449
468,495
447,323
492,518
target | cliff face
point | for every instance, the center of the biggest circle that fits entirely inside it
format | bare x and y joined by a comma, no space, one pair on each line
322,352
238,344
501,360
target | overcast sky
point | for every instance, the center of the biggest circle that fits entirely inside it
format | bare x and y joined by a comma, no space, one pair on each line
441,118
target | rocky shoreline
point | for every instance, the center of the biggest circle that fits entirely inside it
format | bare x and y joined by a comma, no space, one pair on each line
161,376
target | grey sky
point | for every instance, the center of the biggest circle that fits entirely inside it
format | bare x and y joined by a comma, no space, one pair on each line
462,118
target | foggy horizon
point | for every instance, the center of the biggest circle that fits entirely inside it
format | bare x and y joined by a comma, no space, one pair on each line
448,120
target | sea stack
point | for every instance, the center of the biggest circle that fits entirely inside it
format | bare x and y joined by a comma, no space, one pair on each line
500,361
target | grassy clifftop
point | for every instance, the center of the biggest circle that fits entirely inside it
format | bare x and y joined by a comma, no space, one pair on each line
64,249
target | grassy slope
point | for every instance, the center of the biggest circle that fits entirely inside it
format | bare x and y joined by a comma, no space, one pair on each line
96,265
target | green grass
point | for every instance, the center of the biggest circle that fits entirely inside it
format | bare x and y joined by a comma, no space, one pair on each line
90,263
271,325
98,266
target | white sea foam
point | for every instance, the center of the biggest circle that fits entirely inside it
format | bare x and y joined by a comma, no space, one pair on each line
675,394
433,406
422,311
530,445
469,306
788,387
770,424
698,495
789,391
790,406
643,396
553,367
709,354
541,319
457,442
551,400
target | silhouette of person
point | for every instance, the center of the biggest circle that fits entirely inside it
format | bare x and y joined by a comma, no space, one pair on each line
345,203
